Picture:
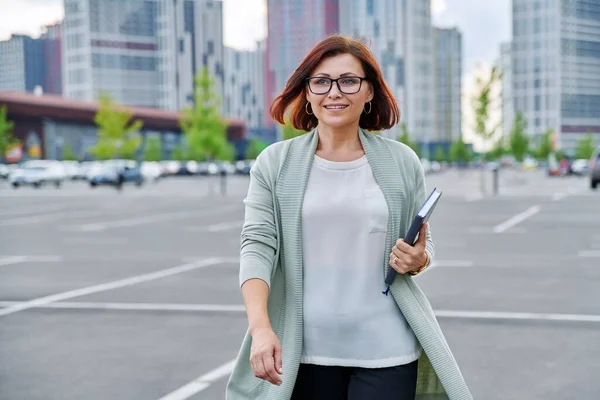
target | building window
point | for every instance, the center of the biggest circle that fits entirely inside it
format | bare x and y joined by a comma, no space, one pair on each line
370,7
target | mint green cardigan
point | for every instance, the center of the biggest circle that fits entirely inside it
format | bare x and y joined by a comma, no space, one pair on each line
271,249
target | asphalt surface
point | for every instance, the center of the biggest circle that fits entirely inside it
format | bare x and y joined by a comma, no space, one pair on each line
134,295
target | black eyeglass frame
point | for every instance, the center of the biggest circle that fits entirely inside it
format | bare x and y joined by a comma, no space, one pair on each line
362,78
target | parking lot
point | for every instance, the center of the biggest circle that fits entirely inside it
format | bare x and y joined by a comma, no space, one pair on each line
134,294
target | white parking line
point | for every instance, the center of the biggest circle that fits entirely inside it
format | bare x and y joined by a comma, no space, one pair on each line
240,308
517,219
448,264
13,212
148,219
221,227
109,285
136,306
560,195
517,316
589,253
49,217
473,197
9,260
202,382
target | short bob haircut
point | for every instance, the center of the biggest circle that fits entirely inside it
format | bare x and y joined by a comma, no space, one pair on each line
384,108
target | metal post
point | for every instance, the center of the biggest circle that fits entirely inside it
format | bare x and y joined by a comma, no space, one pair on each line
223,174
495,173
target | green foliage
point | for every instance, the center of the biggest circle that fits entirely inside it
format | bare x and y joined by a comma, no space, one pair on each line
6,138
440,154
585,147
153,149
68,154
497,151
289,132
544,147
178,153
482,103
205,131
255,147
519,141
115,131
405,138
459,152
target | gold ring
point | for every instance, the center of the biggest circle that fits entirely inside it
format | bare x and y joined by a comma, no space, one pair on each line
395,259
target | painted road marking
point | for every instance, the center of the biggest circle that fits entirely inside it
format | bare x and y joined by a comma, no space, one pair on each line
134,280
517,219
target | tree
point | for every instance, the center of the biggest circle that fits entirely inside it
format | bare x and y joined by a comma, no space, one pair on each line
440,154
482,103
519,141
497,151
178,154
459,152
545,146
67,153
289,132
115,130
153,149
255,147
7,140
204,129
585,147
405,138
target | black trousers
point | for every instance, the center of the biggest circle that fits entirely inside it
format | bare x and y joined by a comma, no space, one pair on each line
317,382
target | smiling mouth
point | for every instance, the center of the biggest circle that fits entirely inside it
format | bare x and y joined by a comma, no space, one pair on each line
340,107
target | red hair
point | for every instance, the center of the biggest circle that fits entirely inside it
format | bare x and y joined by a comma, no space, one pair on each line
384,111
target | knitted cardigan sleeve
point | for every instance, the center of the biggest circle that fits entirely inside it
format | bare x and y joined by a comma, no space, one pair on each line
259,233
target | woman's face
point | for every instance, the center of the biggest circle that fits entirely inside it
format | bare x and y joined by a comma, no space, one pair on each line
337,108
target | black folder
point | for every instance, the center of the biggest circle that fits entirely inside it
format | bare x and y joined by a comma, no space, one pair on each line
411,236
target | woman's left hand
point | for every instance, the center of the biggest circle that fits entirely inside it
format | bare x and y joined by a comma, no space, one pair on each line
405,258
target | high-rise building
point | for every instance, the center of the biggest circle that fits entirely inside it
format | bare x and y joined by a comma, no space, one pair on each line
555,65
244,86
508,109
51,38
190,36
447,47
140,52
294,27
22,64
399,34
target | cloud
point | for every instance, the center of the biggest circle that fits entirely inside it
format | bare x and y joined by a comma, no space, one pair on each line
484,24
245,23
28,16
438,7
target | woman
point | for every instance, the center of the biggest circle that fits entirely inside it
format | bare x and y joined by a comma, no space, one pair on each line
325,214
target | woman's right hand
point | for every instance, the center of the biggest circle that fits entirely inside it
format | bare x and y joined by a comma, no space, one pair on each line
265,355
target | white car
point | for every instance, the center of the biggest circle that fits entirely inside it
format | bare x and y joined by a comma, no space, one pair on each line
37,173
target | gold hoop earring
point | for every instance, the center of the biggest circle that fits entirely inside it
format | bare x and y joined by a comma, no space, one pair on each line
306,109
370,107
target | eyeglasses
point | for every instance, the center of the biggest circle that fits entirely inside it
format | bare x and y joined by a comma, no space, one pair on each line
346,84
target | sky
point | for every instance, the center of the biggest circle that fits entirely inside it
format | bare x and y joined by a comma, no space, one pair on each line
484,24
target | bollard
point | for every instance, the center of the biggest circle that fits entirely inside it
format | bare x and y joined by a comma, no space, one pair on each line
223,183
495,173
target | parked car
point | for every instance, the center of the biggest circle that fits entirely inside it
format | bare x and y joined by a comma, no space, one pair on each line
115,173
37,173
594,168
